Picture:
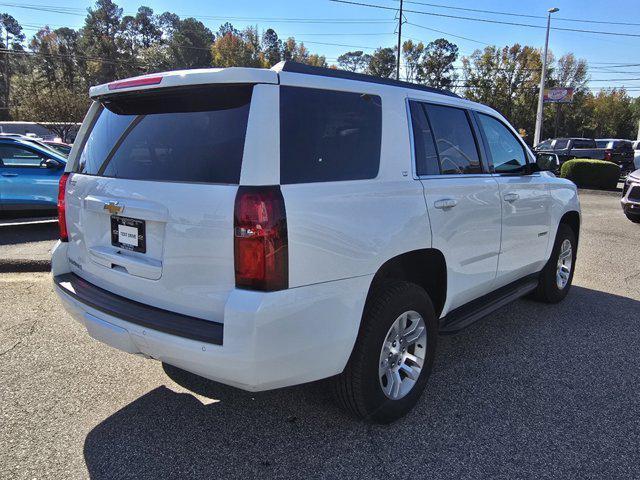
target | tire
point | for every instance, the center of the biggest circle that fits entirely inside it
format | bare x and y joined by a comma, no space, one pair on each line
548,290
359,389
633,218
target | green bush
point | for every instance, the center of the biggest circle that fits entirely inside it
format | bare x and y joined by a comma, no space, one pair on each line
589,173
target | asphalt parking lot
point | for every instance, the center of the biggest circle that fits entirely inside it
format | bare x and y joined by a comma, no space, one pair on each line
533,391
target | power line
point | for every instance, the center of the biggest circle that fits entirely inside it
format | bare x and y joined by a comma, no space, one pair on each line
523,15
447,33
485,20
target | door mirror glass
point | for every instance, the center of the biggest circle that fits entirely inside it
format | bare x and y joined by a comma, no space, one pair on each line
547,162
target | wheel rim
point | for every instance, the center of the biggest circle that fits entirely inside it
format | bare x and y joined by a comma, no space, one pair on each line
402,356
565,262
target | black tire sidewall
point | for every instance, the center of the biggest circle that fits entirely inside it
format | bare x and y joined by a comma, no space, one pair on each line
379,407
552,292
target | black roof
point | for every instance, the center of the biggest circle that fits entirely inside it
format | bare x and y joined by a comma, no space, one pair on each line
295,67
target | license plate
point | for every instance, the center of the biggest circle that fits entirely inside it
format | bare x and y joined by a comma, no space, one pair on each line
128,233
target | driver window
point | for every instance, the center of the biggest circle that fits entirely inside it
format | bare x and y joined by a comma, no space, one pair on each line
455,142
506,151
19,157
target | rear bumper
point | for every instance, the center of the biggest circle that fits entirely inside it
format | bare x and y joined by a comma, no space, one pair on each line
268,339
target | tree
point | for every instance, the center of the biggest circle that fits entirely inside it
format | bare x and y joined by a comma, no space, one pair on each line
613,114
41,101
353,61
436,68
189,43
12,38
238,50
98,42
506,79
412,55
575,118
382,63
58,57
272,47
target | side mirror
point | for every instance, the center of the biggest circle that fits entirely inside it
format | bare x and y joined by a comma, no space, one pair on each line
51,164
547,162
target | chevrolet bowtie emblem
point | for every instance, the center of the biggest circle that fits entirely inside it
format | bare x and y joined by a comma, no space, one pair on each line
113,208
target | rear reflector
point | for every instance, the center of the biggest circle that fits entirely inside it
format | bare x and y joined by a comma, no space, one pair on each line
607,155
135,82
260,239
62,216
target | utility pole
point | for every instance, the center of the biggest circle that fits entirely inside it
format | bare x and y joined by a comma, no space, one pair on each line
6,74
538,132
399,42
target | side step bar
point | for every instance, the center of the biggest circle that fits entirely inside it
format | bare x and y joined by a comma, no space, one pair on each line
479,308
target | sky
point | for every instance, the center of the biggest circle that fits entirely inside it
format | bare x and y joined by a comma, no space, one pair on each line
321,24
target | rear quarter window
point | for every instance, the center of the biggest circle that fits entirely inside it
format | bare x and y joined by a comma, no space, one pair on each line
584,144
328,135
183,135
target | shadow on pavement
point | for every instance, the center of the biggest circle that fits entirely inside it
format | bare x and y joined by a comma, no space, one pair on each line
532,391
28,233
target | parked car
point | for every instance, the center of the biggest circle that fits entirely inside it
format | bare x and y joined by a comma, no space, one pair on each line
636,154
619,151
569,148
265,228
29,175
631,197
60,147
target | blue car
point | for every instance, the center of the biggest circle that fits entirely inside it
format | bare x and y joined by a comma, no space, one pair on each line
29,176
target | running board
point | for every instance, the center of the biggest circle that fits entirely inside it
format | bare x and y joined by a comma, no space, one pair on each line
479,308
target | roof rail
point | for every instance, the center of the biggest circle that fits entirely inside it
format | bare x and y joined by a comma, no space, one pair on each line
295,67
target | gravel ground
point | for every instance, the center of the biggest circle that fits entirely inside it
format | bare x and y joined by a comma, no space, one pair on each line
533,391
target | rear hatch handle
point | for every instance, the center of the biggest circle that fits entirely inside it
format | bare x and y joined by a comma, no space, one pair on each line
133,265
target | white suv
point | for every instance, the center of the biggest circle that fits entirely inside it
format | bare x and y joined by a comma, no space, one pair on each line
265,228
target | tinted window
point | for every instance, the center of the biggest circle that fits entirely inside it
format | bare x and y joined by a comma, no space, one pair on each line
327,135
188,135
507,153
579,143
623,146
602,143
561,144
455,142
424,144
14,156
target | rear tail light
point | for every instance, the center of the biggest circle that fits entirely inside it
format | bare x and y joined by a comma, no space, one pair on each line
62,217
607,155
260,239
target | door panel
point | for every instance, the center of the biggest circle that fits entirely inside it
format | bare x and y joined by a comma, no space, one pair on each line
26,184
525,226
465,216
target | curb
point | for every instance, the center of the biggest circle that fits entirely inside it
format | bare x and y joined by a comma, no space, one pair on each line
24,266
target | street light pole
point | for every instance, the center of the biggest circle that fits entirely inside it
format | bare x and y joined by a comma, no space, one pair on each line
538,132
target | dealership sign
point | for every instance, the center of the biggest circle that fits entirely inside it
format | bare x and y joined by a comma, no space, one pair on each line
558,95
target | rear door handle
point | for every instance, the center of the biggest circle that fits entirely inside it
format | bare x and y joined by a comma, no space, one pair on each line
9,174
445,203
511,197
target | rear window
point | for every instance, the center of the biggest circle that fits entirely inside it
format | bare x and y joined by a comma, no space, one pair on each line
328,135
182,135
602,143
